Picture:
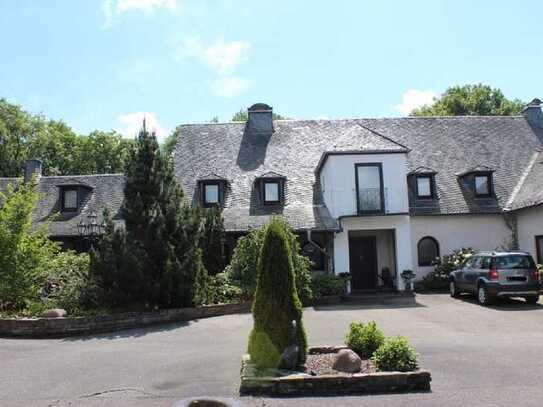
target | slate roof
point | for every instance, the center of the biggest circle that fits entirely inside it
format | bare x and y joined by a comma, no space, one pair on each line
530,190
447,146
101,191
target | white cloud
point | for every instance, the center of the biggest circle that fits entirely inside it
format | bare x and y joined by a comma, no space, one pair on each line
111,8
131,124
222,57
145,5
414,98
230,86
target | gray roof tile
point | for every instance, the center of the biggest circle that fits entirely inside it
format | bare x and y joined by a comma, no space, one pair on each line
447,146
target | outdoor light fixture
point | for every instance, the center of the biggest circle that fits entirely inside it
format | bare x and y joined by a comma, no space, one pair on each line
92,229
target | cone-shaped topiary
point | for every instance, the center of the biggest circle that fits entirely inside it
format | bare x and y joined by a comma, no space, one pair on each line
276,302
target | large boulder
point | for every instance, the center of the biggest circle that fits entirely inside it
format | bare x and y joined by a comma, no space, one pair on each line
347,361
54,313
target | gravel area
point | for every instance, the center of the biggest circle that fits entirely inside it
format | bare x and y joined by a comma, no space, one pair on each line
321,364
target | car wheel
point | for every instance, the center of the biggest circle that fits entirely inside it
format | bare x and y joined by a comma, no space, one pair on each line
453,289
532,299
483,296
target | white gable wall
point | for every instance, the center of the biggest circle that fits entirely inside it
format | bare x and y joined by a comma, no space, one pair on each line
337,178
530,225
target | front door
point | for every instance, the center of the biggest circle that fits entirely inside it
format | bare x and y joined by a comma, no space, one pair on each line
363,262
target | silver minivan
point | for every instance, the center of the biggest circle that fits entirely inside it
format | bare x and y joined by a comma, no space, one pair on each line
497,274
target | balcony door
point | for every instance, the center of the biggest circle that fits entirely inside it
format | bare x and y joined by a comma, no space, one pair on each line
369,188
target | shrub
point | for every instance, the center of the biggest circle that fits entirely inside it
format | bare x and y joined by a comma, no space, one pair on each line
276,302
364,339
328,284
439,278
242,270
220,291
25,254
395,355
69,284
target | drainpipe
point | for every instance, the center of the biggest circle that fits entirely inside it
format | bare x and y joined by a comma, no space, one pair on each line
315,243
319,248
510,219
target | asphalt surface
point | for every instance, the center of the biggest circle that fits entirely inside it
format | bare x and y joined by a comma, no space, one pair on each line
477,356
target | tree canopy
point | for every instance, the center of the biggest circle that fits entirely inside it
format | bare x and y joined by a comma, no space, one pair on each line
471,100
63,152
241,116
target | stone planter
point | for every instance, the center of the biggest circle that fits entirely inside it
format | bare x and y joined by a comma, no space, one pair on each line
302,384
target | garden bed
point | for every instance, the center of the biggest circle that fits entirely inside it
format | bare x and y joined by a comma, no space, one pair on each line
320,379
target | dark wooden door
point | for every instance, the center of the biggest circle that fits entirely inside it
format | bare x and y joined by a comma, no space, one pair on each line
363,262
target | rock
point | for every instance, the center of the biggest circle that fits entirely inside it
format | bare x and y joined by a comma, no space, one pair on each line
54,313
347,361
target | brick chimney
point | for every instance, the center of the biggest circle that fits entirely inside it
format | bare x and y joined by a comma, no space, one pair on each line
532,112
33,167
260,118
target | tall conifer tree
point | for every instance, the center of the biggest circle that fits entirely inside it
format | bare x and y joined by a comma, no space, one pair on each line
162,232
212,241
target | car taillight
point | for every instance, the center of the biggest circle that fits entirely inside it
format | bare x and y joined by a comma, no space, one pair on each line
536,275
493,273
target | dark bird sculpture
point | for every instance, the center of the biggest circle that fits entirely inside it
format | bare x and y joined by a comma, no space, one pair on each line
289,357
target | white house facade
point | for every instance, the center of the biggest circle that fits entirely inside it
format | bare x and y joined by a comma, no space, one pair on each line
369,197
374,197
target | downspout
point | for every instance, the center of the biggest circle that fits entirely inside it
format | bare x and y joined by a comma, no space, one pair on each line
510,219
319,248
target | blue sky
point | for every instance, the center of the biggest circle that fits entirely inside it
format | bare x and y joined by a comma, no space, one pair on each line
103,64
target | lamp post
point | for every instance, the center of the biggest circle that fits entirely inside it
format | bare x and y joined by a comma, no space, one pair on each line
90,230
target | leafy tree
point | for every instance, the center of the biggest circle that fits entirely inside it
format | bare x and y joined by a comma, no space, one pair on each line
241,116
157,259
276,302
63,152
471,100
212,241
25,254
104,153
168,146
242,270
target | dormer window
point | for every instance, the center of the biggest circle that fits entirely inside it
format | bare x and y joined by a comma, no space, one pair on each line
425,186
69,199
483,185
211,194
478,180
212,191
271,187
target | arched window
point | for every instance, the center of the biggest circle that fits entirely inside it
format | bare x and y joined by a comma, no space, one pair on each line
428,250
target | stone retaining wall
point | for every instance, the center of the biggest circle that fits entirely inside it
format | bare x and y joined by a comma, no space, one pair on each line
63,327
302,384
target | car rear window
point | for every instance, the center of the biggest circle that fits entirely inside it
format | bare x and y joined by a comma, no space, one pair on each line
514,262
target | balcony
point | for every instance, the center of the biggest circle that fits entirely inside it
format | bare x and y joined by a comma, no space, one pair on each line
372,200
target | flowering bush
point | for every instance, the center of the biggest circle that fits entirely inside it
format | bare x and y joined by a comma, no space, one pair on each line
439,278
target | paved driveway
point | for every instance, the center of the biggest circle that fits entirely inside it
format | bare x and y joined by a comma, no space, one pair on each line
478,357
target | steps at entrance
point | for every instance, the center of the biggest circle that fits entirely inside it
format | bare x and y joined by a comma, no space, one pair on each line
379,297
